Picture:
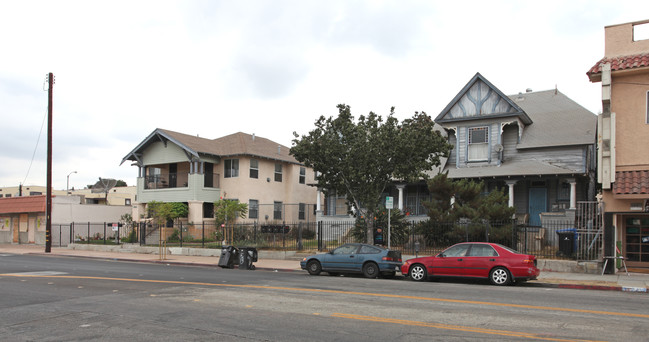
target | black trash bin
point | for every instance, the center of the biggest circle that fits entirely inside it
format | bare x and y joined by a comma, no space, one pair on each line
229,257
567,241
247,255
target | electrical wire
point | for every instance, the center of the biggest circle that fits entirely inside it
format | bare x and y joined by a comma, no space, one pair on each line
37,141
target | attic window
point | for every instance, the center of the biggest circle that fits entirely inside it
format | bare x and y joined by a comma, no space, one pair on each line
478,149
640,32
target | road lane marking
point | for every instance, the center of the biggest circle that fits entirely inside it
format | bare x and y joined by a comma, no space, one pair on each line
369,294
457,328
39,273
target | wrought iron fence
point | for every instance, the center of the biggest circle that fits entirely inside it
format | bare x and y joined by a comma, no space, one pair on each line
555,240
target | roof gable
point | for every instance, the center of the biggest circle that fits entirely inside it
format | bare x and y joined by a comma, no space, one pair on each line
479,99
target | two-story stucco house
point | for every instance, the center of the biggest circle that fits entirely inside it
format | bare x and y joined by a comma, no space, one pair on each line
623,168
539,146
176,167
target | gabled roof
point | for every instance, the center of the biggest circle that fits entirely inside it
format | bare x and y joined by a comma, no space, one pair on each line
231,145
558,120
618,63
479,99
22,205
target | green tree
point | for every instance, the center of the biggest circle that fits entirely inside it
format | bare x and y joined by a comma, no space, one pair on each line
226,211
359,159
469,202
162,212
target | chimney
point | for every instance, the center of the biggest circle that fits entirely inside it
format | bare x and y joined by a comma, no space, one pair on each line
253,136
279,149
528,90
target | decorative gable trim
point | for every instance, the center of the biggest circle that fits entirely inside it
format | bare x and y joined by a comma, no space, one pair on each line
479,99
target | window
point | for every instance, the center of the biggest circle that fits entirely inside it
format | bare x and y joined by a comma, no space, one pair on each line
301,215
478,144
127,201
277,210
35,193
369,250
278,172
482,251
254,168
647,107
231,168
563,193
302,175
208,209
253,209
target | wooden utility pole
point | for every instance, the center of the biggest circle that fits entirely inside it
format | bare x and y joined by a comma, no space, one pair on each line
48,209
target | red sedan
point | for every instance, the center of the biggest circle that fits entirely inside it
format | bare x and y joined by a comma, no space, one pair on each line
502,265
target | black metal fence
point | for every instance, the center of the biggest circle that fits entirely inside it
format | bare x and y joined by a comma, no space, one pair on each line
555,240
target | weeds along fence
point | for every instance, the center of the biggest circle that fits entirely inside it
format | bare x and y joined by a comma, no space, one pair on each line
555,240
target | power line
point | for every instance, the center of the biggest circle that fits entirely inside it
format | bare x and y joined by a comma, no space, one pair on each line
37,140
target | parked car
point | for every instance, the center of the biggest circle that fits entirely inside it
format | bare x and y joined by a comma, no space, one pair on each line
501,265
369,260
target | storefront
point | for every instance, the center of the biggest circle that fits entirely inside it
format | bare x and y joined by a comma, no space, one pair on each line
635,239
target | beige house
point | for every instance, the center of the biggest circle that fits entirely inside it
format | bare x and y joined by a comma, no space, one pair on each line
176,167
623,139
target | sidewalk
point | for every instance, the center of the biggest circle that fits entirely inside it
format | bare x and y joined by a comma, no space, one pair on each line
635,282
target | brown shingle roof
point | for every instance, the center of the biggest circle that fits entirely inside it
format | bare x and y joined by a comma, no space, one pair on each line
619,63
22,205
234,145
631,182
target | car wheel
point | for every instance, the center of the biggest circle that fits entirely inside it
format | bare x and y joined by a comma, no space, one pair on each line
370,270
418,272
500,276
313,267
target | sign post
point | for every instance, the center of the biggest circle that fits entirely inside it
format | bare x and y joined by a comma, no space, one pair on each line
389,204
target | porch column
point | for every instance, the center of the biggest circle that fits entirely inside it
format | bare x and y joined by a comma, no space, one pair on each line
400,187
573,193
510,184
318,205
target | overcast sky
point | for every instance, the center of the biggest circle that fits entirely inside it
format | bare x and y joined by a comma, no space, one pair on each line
213,68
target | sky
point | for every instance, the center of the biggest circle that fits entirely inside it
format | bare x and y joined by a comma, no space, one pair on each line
214,68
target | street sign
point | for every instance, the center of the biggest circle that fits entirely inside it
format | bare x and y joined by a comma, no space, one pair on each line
389,202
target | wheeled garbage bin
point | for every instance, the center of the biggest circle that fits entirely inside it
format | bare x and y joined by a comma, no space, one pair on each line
247,255
229,257
567,241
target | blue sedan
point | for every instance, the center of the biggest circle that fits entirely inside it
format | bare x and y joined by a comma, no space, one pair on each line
369,260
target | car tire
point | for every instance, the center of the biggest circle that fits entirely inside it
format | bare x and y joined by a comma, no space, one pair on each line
418,272
370,270
313,267
500,276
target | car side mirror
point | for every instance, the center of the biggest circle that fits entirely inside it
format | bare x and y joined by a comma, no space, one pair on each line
441,255
331,252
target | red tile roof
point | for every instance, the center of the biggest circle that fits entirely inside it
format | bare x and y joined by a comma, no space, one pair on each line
631,182
620,63
22,205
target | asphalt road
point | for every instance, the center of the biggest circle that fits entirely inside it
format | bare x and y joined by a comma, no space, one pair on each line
49,298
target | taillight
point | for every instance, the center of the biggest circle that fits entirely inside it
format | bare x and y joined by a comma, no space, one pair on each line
387,258
529,261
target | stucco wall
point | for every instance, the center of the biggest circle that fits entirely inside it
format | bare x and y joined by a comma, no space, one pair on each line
629,102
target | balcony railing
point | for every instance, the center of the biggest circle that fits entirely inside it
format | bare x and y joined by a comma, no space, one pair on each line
165,181
177,180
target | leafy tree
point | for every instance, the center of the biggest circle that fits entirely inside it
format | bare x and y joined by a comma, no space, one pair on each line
227,211
399,228
359,159
162,212
469,201
120,183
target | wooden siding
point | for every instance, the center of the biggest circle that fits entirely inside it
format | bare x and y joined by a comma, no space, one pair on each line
157,153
